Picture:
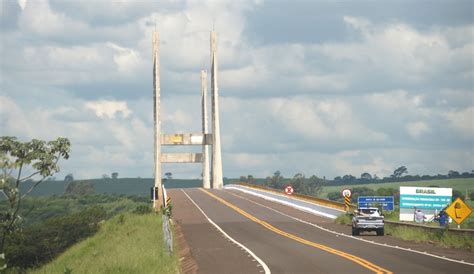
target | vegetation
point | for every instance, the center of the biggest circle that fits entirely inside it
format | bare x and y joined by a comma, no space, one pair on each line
440,237
461,185
16,157
126,244
80,188
50,225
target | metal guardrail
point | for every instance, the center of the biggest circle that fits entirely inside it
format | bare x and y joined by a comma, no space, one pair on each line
342,206
167,235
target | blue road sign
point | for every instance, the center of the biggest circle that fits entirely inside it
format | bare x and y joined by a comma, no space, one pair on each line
370,201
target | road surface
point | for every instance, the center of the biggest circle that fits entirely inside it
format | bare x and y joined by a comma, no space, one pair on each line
262,237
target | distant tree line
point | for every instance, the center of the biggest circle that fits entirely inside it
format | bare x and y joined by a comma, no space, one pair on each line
396,176
308,186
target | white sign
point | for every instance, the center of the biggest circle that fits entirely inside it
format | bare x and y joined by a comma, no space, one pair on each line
429,200
346,193
289,190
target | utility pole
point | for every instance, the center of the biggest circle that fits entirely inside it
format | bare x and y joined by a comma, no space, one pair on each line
217,182
206,183
158,191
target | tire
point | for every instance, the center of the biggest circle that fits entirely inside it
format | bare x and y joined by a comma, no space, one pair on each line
355,231
380,232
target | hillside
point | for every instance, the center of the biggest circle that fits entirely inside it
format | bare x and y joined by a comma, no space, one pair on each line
125,244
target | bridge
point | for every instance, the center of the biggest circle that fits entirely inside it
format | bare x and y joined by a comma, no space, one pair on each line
240,229
243,230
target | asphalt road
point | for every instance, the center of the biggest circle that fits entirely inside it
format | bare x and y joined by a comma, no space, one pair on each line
284,244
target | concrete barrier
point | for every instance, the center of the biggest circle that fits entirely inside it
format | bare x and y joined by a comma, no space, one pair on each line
324,202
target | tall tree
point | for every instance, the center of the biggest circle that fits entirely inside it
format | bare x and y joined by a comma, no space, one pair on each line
115,175
169,175
39,157
366,176
397,173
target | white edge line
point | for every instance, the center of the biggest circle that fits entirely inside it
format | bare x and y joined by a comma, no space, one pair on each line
290,204
260,261
349,236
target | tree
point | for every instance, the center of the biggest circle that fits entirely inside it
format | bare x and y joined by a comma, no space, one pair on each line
348,178
315,185
276,181
366,176
115,175
298,183
458,194
453,174
41,158
80,188
397,173
69,178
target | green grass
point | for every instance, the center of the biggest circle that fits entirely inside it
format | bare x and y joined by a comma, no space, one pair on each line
128,243
459,184
442,237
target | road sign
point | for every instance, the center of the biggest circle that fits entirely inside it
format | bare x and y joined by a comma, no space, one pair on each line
346,193
289,190
458,211
371,201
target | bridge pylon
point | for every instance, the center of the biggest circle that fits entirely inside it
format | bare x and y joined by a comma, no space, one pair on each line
203,138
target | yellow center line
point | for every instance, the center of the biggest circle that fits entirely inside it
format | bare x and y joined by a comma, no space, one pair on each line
373,267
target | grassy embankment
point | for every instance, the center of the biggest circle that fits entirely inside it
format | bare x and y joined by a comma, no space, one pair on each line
128,243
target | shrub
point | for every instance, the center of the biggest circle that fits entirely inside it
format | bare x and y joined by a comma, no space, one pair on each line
142,209
458,194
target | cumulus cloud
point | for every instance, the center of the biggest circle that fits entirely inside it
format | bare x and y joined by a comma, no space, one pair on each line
462,121
109,109
126,59
416,129
378,94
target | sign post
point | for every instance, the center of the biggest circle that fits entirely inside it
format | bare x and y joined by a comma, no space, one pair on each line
347,193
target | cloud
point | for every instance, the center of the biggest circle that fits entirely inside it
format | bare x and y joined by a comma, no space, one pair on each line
342,93
109,109
462,121
416,129
126,59
22,3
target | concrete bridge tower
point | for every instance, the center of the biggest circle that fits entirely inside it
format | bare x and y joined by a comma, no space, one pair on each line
217,181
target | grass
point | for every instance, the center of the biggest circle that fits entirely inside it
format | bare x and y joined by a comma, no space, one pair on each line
128,243
443,238
440,237
459,184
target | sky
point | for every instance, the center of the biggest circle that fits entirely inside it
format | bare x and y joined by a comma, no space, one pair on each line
322,88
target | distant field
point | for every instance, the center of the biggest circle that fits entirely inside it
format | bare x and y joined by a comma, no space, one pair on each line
126,186
459,184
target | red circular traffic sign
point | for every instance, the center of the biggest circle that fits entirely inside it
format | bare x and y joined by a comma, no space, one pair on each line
289,190
346,193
